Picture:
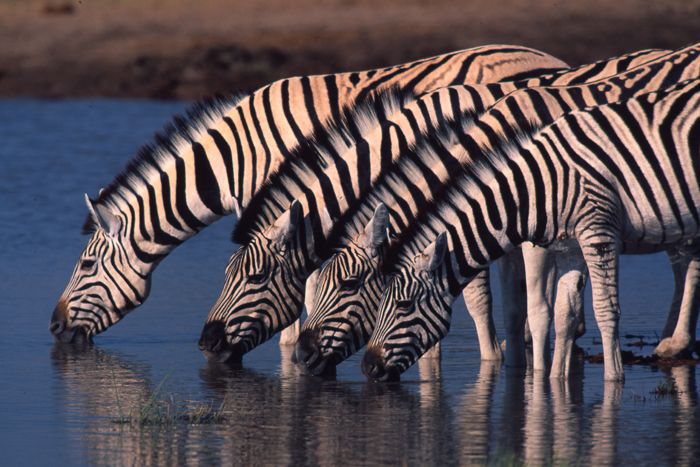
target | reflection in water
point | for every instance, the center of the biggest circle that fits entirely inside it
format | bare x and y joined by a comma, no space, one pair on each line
604,424
686,426
325,422
289,418
474,416
100,387
567,398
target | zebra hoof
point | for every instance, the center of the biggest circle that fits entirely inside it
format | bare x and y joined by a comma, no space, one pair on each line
672,349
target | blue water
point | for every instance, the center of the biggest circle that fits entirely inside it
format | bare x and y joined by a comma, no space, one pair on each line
58,405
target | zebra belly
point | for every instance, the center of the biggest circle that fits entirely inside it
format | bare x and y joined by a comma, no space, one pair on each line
665,230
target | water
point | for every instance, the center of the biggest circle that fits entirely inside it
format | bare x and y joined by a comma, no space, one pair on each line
59,405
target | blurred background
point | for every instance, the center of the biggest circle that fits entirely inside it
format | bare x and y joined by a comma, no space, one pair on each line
183,49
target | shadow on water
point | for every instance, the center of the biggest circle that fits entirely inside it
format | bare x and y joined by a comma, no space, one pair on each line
503,416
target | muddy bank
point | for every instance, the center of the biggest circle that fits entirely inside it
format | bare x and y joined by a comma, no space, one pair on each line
176,49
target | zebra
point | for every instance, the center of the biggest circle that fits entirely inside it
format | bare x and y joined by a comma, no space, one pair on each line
616,174
265,279
342,320
210,163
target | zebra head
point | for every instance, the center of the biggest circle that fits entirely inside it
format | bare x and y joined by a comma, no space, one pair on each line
262,293
107,282
413,315
346,295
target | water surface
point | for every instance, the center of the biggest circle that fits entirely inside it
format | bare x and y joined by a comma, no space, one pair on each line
59,405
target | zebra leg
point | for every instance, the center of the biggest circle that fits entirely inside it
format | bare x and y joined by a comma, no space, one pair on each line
680,343
679,266
512,276
477,298
540,273
601,253
290,334
429,364
567,312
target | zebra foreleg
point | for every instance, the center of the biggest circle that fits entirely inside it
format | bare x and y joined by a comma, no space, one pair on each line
679,266
290,334
680,343
512,275
540,274
601,252
477,298
568,310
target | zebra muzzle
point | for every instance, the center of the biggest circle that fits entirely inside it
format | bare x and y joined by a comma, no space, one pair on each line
375,367
213,344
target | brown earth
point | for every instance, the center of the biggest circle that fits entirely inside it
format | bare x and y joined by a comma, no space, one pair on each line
187,49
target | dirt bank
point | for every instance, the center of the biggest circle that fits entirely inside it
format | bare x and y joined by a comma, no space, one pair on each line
183,49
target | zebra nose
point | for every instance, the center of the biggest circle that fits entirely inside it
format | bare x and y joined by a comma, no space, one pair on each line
56,327
306,347
373,365
213,337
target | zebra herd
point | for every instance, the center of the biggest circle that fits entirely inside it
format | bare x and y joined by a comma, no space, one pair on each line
373,199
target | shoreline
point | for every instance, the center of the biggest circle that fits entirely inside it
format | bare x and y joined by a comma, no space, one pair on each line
174,50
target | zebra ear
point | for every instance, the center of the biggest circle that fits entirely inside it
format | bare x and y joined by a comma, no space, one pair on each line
104,219
310,291
286,225
374,234
433,255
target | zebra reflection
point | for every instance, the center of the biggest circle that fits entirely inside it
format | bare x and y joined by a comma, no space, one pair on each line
98,388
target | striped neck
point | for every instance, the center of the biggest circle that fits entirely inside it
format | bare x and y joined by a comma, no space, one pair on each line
493,207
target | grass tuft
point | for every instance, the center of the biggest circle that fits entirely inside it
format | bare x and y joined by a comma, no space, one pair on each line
165,412
665,388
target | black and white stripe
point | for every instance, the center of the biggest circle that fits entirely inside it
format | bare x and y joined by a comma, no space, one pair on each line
342,319
211,162
333,178
609,175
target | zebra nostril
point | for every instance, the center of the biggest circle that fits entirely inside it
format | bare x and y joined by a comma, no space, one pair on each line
56,327
373,364
307,346
213,337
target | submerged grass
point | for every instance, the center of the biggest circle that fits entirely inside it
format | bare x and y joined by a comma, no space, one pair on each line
159,411
665,388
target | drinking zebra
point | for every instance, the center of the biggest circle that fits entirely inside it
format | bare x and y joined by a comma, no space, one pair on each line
343,317
265,280
607,176
210,163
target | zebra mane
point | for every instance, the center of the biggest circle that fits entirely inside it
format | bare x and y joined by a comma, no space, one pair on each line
422,151
183,129
471,176
314,154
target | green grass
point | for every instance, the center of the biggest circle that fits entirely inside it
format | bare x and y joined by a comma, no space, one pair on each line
161,411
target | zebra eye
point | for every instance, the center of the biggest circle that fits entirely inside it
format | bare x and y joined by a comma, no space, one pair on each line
349,284
257,278
404,304
87,264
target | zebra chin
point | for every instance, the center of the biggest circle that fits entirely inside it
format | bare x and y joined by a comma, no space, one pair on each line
62,330
215,346
308,355
320,365
77,336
